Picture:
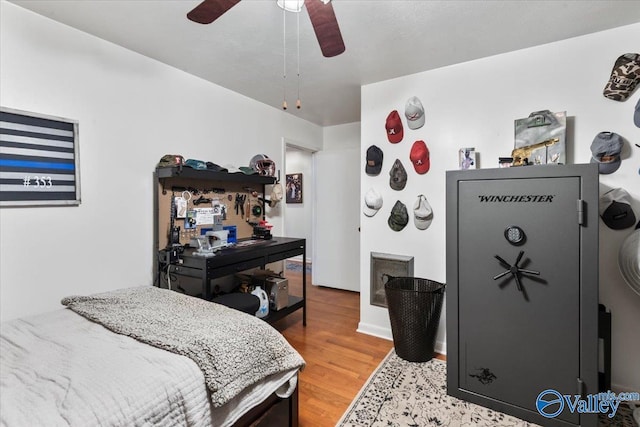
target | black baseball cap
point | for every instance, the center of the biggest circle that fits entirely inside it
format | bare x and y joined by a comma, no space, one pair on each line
374,160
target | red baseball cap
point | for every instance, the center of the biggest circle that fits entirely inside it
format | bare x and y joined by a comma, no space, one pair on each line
420,157
394,127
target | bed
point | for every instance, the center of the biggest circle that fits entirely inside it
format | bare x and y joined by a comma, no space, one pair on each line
145,357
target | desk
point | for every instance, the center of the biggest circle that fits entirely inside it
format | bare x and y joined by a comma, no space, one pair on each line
236,259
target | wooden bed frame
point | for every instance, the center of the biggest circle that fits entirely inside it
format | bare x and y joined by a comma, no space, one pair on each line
273,411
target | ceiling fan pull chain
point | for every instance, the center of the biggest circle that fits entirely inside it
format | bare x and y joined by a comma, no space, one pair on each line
298,103
284,60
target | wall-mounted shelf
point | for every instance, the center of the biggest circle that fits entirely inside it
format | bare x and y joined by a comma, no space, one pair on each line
210,175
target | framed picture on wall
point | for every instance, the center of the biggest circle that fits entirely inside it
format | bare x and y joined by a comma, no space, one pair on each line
383,268
294,188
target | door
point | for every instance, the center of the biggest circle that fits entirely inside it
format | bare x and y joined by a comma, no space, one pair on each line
337,218
520,337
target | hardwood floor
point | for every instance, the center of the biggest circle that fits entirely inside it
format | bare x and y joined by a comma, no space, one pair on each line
339,359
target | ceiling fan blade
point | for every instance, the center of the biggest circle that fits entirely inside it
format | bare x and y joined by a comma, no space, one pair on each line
326,27
210,10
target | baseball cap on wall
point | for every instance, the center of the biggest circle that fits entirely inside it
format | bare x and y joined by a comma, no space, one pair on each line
419,156
399,218
394,128
397,176
422,213
372,202
636,114
414,112
615,209
624,77
374,160
605,150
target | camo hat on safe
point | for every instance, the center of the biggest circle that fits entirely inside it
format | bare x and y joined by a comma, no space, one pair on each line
615,209
169,160
605,150
399,217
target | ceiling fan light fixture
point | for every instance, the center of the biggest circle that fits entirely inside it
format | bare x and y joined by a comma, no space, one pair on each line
291,5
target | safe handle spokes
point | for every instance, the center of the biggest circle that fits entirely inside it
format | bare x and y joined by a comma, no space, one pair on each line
514,269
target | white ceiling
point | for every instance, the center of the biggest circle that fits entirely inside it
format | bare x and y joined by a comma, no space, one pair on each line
243,50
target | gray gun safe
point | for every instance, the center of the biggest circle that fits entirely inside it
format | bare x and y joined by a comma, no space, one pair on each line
522,287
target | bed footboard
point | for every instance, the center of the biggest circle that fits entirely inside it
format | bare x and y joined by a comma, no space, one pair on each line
273,411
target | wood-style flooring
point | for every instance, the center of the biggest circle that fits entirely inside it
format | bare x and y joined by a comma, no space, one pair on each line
339,359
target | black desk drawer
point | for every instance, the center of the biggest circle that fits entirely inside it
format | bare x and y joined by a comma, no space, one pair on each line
235,268
284,255
186,271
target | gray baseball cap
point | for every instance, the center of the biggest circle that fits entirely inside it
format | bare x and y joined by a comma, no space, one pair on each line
422,213
399,217
605,150
636,115
397,176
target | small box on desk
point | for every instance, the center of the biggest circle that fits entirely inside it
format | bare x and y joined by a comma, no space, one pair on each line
232,237
278,291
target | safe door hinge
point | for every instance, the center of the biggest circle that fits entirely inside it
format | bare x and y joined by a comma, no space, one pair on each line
580,205
580,387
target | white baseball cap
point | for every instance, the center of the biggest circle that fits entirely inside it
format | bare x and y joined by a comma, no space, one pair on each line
414,112
276,194
372,202
422,213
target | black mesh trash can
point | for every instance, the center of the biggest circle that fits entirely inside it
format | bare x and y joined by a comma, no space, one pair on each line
414,311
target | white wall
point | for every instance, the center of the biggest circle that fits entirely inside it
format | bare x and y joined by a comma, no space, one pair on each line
475,104
131,110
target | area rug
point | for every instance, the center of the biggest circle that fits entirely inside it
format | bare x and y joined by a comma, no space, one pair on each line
297,266
407,394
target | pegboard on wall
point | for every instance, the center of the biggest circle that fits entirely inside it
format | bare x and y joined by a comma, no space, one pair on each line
197,192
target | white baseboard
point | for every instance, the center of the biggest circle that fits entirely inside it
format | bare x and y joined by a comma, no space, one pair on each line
376,331
380,332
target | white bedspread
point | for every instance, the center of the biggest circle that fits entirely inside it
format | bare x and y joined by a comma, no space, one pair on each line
59,369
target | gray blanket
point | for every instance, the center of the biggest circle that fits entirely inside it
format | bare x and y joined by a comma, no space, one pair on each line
234,350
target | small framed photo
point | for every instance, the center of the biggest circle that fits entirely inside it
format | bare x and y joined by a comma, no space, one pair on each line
383,268
467,158
294,188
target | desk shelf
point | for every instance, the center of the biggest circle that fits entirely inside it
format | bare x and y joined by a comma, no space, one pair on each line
295,303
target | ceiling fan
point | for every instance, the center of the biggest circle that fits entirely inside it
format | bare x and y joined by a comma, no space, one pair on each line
320,12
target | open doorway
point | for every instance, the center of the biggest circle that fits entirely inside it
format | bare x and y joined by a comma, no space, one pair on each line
298,209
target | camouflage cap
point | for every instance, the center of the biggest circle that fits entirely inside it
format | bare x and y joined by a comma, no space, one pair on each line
169,160
397,176
399,217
